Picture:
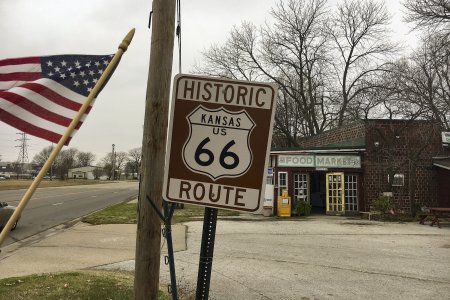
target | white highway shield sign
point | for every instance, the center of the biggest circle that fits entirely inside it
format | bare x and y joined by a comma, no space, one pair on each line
219,141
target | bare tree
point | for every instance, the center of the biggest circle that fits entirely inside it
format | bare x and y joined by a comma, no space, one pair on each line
120,160
359,30
134,157
65,161
84,159
107,164
129,170
325,63
40,158
372,103
429,14
292,52
295,49
423,81
98,172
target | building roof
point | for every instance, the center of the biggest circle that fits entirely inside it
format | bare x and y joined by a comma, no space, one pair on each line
84,169
350,143
357,143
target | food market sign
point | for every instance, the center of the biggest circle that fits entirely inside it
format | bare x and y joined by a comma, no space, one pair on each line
320,161
219,140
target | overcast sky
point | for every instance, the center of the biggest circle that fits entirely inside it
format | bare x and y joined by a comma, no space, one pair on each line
50,27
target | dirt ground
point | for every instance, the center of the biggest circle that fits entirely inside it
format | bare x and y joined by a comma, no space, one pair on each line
320,257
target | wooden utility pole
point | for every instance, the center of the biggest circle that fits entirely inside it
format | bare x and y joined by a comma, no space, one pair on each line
148,238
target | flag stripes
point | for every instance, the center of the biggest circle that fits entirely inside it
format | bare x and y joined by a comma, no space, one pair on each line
30,128
20,61
39,109
53,96
20,76
41,96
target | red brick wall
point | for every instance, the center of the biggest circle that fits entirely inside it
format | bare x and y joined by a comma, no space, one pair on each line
406,148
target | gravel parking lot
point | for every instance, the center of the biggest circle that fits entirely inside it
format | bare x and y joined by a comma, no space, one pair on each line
320,257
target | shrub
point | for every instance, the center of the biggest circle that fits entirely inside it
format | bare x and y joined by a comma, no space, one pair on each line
302,208
383,204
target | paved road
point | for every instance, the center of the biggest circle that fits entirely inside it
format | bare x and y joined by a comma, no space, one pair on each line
54,206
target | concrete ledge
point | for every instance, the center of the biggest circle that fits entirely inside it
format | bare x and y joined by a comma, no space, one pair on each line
79,247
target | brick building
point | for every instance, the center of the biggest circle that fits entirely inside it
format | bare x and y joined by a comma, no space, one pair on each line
344,170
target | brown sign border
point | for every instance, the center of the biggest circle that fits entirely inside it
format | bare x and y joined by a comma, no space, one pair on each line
175,99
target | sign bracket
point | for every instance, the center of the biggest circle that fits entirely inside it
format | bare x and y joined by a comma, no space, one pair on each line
167,233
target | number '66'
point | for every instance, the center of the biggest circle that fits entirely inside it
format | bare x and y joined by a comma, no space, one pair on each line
205,157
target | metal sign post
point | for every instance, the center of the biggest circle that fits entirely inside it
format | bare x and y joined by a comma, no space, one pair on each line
206,253
217,151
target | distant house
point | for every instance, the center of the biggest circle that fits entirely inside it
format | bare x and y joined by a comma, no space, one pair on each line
17,170
83,172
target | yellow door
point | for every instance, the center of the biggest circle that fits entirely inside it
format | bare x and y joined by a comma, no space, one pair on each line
335,193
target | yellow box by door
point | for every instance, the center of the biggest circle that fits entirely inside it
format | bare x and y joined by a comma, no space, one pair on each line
284,205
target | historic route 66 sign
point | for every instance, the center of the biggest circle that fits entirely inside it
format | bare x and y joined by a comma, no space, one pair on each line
219,141
218,144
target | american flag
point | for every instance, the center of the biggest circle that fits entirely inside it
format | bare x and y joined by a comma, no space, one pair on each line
41,95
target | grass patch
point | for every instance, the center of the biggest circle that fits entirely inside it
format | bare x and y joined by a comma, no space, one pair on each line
122,213
12,184
126,213
71,285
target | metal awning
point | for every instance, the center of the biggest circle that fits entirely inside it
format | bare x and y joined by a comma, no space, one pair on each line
322,151
443,163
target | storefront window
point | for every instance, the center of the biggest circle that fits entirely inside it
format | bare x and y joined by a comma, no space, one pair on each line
282,182
351,192
301,187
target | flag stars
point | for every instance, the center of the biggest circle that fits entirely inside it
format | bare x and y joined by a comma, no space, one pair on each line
79,73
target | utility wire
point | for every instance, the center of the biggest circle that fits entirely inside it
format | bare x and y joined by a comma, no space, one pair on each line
178,32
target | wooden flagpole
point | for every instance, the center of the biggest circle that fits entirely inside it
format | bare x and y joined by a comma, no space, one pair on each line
32,188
